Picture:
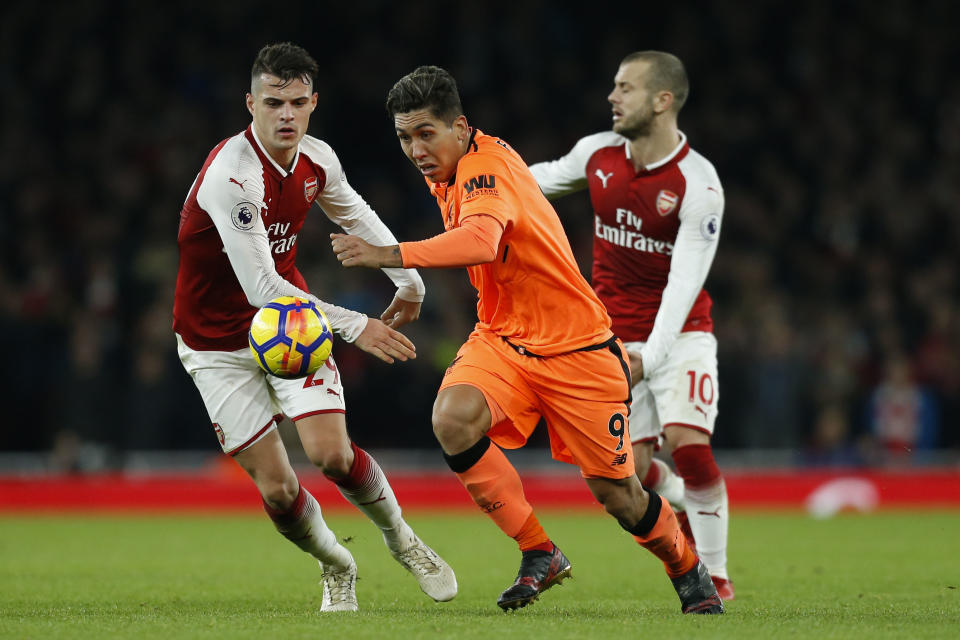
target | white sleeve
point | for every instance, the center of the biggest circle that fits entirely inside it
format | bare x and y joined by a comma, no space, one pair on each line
568,174
693,252
346,208
236,215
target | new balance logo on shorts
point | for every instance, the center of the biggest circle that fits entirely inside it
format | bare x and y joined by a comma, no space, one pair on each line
618,460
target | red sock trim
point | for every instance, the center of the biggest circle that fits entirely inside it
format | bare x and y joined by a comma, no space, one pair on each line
695,464
290,515
361,471
653,476
545,546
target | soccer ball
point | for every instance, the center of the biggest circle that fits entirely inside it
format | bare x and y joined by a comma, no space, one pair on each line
290,337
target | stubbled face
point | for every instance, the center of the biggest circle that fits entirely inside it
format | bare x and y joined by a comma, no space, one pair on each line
281,113
633,110
432,145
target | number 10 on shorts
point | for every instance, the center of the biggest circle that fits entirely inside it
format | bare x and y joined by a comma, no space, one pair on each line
701,388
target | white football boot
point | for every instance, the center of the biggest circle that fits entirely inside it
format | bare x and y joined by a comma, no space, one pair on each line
434,575
339,588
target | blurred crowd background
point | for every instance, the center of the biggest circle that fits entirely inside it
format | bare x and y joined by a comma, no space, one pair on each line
834,126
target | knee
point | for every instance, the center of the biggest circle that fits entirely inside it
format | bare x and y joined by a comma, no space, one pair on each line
617,505
279,490
622,500
457,426
447,427
334,463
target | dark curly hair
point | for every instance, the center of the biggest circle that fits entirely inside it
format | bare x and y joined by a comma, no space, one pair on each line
426,87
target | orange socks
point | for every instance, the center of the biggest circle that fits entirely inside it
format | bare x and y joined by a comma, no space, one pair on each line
495,486
665,539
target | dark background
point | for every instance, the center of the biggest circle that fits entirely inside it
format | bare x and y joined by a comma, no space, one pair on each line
834,126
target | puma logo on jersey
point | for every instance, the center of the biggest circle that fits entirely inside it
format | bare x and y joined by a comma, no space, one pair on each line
604,177
239,184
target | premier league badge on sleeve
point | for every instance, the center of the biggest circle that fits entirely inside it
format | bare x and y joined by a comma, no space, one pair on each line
710,227
244,216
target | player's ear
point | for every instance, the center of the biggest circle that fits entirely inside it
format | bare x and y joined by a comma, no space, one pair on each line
313,102
461,128
663,101
250,103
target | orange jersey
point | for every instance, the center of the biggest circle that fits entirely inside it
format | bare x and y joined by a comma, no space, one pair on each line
533,293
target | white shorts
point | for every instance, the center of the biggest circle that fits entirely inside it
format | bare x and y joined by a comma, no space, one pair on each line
682,391
245,404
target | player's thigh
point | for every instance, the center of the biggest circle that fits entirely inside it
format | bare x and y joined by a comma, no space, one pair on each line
685,387
235,393
325,441
586,412
267,464
486,366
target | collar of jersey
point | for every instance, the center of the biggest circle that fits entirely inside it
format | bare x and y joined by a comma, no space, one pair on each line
267,158
673,155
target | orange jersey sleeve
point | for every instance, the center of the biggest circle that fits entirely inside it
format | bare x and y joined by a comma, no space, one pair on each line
533,293
473,243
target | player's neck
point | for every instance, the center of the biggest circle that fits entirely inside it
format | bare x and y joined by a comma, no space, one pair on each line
283,157
656,146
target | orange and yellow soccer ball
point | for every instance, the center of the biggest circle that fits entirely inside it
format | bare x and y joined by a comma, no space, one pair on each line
290,337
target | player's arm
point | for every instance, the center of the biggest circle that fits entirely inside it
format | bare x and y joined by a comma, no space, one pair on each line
693,254
346,208
236,215
568,174
475,241
249,254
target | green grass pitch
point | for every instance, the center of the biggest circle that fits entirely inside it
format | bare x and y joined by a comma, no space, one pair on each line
884,575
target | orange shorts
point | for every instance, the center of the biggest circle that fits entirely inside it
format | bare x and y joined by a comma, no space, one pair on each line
583,396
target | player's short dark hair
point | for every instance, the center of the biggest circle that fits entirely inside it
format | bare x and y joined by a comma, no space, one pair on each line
426,87
666,74
286,61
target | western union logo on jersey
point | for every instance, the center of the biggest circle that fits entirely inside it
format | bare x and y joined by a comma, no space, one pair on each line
480,182
484,184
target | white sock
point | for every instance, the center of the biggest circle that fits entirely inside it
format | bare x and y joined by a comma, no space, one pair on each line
669,486
368,490
709,520
305,527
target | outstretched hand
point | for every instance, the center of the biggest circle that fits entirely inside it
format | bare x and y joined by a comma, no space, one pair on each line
400,312
385,343
353,251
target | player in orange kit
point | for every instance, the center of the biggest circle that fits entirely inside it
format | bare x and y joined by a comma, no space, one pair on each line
542,346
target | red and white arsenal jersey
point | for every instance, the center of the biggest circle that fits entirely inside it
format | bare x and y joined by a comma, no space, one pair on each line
238,239
655,235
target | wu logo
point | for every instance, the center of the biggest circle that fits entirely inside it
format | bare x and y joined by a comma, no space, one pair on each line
480,182
604,177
